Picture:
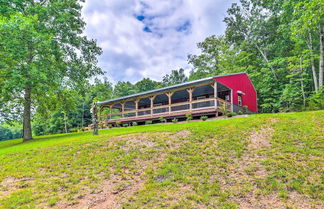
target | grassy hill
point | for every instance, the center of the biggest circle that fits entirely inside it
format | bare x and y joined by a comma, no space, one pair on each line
260,161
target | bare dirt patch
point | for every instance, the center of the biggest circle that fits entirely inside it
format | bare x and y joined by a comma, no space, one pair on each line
112,195
180,134
115,191
11,184
137,140
260,139
249,168
245,170
272,201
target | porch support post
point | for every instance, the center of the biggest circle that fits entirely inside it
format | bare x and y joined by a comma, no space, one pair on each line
152,101
136,107
215,94
190,90
231,100
100,108
123,107
169,94
110,110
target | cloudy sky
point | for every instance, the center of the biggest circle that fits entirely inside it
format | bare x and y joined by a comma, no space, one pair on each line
149,38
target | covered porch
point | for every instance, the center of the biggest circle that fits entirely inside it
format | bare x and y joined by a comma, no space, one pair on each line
204,98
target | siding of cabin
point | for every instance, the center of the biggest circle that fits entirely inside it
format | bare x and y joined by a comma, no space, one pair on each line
241,82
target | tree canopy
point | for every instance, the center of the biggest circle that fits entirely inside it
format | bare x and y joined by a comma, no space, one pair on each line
278,43
43,51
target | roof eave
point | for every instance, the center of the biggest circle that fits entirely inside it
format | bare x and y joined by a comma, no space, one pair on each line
165,88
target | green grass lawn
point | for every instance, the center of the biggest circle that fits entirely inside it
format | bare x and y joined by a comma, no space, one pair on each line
260,161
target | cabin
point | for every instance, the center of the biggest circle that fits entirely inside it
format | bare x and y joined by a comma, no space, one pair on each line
212,97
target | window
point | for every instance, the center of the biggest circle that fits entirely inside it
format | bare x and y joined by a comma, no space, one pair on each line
239,100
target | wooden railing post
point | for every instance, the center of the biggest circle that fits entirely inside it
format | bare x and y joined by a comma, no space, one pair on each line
100,118
123,106
136,107
231,100
152,102
215,94
110,107
169,94
190,90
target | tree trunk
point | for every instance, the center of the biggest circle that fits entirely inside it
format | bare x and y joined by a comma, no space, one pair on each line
94,118
27,131
321,63
303,91
310,47
314,74
82,115
265,58
302,82
65,123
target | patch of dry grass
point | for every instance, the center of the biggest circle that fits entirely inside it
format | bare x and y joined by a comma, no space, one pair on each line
263,161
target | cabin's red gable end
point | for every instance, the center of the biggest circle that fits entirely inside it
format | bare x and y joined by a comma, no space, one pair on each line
241,83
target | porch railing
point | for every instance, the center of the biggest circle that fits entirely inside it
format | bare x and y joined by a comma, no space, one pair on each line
166,110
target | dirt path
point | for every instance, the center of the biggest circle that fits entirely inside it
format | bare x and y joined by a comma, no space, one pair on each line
117,189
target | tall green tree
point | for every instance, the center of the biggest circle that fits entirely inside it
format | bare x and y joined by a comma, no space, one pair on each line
307,29
146,84
123,88
175,77
100,90
43,51
218,56
279,43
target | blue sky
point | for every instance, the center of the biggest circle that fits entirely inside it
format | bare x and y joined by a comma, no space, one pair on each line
149,38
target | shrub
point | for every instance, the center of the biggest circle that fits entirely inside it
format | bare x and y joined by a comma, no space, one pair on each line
74,130
188,117
245,109
148,122
101,125
162,119
204,118
240,112
316,101
230,114
134,124
125,125
223,109
118,123
174,120
110,126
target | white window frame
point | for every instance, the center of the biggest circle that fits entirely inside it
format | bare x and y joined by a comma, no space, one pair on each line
240,100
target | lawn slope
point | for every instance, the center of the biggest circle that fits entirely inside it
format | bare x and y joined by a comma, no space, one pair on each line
260,161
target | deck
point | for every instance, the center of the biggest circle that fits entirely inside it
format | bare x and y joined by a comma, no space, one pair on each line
200,107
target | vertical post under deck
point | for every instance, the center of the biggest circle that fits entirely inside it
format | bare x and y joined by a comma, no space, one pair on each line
215,94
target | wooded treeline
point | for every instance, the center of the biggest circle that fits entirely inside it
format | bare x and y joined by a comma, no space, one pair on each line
279,43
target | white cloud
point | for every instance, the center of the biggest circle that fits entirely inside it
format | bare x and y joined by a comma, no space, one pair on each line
149,38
